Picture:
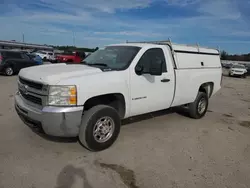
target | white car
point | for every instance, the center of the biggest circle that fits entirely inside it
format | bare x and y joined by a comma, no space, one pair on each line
46,56
89,100
238,70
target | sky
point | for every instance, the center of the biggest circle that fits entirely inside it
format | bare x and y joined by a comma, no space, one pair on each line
223,24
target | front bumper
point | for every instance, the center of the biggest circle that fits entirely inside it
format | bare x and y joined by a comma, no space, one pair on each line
237,73
54,121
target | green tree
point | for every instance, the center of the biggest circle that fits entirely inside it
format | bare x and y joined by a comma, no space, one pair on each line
224,55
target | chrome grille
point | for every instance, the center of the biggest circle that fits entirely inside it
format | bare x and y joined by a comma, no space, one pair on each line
31,98
31,84
33,92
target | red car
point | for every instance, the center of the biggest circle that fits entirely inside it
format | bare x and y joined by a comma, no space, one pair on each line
75,57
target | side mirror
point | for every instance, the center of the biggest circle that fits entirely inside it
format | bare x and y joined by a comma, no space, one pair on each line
139,69
156,68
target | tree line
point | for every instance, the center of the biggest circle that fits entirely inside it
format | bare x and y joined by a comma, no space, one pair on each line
235,57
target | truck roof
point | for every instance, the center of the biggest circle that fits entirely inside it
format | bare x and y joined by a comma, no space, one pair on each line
175,47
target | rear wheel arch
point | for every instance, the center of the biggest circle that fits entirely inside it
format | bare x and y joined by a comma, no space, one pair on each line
115,100
207,88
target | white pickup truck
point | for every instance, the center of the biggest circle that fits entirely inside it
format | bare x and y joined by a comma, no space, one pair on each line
89,100
46,56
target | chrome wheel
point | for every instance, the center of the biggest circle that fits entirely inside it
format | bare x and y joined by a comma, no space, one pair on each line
9,71
103,129
202,106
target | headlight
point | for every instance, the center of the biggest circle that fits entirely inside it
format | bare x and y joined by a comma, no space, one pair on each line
62,96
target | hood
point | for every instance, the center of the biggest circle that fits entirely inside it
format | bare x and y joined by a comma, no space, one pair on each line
52,74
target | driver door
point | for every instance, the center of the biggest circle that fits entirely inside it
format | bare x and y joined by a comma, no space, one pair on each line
148,92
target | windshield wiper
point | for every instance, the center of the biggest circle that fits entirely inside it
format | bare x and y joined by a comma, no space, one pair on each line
106,67
99,64
93,64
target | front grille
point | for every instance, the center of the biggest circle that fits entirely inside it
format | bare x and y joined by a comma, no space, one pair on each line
31,98
31,84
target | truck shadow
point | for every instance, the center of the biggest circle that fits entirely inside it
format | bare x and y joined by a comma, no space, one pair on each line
67,176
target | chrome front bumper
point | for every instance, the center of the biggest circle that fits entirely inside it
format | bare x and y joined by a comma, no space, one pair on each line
54,121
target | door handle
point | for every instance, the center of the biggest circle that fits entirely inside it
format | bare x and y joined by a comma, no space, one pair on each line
165,80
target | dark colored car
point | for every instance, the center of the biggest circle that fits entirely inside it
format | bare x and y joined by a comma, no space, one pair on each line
11,62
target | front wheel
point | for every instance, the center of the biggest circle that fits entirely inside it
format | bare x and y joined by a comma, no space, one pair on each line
9,71
198,108
100,127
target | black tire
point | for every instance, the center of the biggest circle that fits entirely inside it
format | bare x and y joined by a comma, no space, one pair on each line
45,59
194,108
8,71
89,120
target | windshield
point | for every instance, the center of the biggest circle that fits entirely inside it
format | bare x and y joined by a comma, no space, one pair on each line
239,66
113,57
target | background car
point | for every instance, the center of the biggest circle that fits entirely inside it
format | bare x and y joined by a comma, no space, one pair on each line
46,56
71,57
238,70
11,62
36,58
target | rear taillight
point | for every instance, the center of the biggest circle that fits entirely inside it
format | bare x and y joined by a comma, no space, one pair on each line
1,59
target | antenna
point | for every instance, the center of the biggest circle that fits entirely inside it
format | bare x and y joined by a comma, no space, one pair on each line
169,40
198,47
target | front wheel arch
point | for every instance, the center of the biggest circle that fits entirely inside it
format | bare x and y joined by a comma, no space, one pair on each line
115,100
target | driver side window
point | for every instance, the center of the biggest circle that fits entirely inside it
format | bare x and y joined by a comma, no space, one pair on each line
151,56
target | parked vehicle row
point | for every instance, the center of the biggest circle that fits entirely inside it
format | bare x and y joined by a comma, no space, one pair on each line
89,99
12,61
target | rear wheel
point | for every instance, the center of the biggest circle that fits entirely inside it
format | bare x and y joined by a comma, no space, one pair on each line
198,108
9,71
100,127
